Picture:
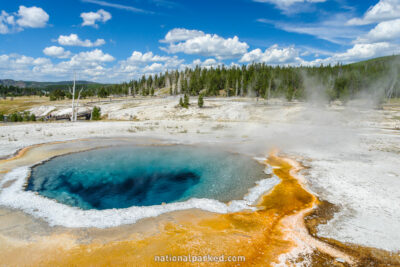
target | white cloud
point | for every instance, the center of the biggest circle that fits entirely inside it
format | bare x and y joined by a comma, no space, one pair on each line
15,63
287,4
118,6
180,34
41,61
153,68
26,17
95,55
273,55
206,63
384,31
361,52
365,51
383,10
172,63
194,42
90,65
73,40
332,29
147,63
32,17
56,51
91,18
138,57
6,20
23,60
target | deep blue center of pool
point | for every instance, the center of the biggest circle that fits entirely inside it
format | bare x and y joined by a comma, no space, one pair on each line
121,177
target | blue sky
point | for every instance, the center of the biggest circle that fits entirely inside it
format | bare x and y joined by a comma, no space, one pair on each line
119,40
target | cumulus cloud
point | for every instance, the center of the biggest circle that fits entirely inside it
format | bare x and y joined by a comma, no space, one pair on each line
15,65
91,18
147,63
361,52
365,51
73,40
95,55
172,64
56,51
207,63
32,17
384,31
138,57
26,17
21,60
91,65
382,11
273,55
153,68
195,42
6,21
210,62
179,34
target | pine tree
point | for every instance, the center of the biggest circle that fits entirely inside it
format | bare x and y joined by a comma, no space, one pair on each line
200,101
96,114
13,117
186,101
180,102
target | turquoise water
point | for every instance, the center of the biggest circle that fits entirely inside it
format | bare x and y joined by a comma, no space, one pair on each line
121,177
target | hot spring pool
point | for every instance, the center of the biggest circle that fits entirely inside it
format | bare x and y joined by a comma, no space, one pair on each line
122,177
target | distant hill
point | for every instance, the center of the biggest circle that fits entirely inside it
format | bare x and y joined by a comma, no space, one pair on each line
61,84
32,84
378,60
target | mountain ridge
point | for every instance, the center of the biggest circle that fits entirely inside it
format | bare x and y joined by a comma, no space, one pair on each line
34,84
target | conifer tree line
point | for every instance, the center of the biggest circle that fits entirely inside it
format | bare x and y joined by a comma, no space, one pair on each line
261,80
254,80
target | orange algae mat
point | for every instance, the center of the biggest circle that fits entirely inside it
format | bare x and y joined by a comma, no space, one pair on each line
243,239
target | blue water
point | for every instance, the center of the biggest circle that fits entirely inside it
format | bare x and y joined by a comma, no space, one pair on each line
121,177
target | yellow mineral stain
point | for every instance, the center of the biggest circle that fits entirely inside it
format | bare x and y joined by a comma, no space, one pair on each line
261,236
19,154
29,154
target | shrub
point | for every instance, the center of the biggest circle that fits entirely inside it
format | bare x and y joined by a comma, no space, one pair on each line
26,116
186,101
32,117
13,117
96,114
200,101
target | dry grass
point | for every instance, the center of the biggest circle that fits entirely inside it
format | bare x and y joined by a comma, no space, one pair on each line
10,105
393,101
22,103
